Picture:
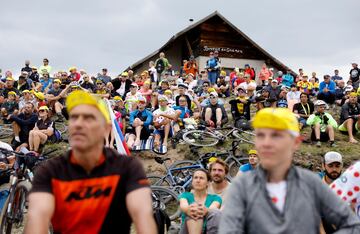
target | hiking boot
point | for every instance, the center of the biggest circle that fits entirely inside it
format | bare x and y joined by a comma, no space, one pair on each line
318,144
332,144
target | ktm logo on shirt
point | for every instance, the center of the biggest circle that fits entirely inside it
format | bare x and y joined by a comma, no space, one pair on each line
88,192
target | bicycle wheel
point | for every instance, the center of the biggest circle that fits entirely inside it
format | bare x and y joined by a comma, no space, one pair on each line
183,168
245,136
200,138
13,210
6,133
169,201
156,180
235,164
61,127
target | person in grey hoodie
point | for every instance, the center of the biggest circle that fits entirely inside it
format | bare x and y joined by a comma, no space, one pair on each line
278,197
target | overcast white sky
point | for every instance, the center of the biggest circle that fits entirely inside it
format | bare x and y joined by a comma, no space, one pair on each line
317,35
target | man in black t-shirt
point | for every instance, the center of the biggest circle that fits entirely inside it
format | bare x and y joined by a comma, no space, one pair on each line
354,75
349,117
91,189
303,109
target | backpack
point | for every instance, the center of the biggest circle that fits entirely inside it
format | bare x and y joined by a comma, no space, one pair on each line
212,63
160,66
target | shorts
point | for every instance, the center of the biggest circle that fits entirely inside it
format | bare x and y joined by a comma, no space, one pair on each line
342,128
144,134
161,132
302,121
324,137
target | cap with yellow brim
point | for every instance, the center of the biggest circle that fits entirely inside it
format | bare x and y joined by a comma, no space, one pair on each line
278,119
252,151
44,108
80,97
12,93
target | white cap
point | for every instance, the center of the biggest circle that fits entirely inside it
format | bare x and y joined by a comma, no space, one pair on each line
215,94
332,156
274,81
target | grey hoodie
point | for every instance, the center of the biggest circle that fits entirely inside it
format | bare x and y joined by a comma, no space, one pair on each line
249,208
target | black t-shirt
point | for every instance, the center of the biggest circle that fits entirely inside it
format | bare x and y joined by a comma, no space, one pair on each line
354,74
90,202
306,109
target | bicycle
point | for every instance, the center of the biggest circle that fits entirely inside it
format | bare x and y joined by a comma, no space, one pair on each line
167,200
6,131
22,176
211,137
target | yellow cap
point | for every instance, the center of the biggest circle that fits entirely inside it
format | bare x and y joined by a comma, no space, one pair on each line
277,118
9,78
34,68
117,98
57,81
80,97
39,95
168,91
44,108
223,73
26,91
252,151
212,159
124,74
12,93
147,82
211,90
353,94
72,69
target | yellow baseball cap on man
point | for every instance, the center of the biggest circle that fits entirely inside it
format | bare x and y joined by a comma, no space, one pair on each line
57,81
80,97
277,118
44,108
252,151
39,95
12,93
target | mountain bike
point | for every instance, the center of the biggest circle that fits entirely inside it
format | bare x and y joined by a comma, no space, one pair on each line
22,176
167,200
210,136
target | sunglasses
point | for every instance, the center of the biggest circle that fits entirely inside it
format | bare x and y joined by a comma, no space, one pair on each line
182,100
212,97
41,111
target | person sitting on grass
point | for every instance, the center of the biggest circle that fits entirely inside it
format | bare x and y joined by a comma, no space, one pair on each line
140,121
200,210
162,122
349,117
43,130
252,164
323,125
9,107
214,114
303,109
240,109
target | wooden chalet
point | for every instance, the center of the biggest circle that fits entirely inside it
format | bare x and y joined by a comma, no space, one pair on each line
214,32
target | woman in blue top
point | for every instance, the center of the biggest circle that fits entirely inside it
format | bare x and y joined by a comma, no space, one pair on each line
200,210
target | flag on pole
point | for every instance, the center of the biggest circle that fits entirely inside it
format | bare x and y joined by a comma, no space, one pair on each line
119,137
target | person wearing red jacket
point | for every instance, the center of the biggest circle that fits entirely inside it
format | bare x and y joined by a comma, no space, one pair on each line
250,71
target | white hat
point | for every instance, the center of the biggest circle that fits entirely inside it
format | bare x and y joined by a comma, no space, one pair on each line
215,94
274,81
349,88
332,156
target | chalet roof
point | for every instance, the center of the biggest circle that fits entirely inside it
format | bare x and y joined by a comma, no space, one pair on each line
187,29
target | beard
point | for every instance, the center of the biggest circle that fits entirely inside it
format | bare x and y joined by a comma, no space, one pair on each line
217,179
334,175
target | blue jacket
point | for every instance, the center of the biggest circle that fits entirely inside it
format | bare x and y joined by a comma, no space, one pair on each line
26,124
331,86
145,115
288,80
